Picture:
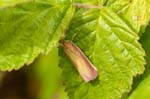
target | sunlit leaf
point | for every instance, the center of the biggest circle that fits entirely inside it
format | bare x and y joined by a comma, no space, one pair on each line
28,29
136,13
112,47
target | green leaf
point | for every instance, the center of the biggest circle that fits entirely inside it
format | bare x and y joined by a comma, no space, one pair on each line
5,3
28,29
112,47
8,2
143,83
135,13
142,91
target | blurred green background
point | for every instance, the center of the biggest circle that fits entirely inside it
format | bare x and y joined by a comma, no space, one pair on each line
40,80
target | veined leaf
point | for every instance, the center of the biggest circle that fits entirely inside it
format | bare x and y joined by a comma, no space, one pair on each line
143,88
28,29
112,47
135,13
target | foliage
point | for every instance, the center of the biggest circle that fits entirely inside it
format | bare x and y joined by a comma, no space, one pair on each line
107,31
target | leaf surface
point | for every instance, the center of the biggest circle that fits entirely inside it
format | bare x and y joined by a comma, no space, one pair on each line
112,47
30,28
135,13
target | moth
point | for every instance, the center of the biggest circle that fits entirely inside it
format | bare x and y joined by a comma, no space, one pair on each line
85,68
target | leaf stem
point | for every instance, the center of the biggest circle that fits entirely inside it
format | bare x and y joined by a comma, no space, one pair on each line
88,6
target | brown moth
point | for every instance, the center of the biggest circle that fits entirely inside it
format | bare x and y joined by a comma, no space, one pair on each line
85,68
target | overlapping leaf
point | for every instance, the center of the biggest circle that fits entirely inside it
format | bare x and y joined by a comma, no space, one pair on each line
107,37
28,29
112,47
135,13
